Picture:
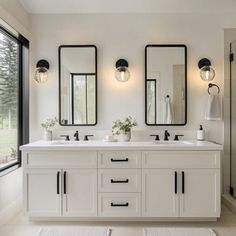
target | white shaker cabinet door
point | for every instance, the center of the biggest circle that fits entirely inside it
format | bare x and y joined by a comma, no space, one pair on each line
79,192
159,193
200,193
42,192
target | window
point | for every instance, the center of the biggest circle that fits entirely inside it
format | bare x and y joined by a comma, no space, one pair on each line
13,96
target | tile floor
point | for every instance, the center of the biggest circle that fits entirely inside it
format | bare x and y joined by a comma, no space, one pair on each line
225,226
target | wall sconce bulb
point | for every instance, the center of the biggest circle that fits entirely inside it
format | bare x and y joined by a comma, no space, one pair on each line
41,73
122,73
207,73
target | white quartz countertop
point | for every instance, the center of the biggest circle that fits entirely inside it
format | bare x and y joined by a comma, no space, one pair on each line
132,145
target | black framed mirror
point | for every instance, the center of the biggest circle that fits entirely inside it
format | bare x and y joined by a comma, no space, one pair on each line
165,84
77,85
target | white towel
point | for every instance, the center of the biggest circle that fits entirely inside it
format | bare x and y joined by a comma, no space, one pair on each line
178,232
168,112
74,231
213,109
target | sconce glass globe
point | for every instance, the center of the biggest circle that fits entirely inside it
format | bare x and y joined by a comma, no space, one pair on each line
207,73
41,75
122,74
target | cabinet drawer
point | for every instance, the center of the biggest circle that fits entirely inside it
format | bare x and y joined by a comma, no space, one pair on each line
119,159
78,159
119,204
115,180
181,159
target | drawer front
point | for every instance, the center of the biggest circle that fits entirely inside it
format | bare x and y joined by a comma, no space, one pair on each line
119,204
181,159
115,180
81,159
119,159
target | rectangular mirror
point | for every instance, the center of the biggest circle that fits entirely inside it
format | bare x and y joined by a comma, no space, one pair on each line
77,85
166,85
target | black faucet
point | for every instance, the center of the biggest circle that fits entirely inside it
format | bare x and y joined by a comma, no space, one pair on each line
166,135
76,135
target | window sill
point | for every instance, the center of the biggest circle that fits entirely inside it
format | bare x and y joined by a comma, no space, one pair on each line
9,168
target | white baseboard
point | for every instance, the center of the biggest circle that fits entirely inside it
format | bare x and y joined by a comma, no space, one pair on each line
11,211
230,202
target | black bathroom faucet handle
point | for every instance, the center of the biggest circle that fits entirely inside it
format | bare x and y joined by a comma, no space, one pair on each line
86,137
67,137
156,136
177,137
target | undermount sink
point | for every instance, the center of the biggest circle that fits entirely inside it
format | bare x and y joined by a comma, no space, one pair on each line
173,142
64,142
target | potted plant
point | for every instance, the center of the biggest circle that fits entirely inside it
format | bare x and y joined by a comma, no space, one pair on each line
123,127
48,124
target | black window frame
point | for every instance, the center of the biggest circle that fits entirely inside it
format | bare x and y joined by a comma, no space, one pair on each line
23,96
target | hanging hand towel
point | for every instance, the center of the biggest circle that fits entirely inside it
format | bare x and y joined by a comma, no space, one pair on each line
168,111
213,109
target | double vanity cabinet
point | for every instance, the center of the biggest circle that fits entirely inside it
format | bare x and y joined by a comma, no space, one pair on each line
122,181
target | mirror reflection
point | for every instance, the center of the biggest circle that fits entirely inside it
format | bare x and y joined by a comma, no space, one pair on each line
166,90
78,84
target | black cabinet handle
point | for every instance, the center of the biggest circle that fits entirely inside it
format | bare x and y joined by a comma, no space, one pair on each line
119,205
58,182
119,181
64,182
175,182
183,183
119,160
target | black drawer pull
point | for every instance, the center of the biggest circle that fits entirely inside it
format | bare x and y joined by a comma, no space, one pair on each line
175,182
58,182
119,160
119,181
64,182
119,205
183,183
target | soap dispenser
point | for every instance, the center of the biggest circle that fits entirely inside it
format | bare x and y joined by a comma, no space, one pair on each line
201,134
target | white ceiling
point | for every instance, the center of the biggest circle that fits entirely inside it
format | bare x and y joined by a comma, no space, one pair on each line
128,6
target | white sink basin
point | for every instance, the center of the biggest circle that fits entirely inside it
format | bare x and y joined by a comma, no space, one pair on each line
63,142
173,143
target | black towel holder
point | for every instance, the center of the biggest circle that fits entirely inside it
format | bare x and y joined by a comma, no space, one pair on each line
210,85
167,97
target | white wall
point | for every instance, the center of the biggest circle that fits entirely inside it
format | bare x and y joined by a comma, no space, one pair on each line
125,36
15,15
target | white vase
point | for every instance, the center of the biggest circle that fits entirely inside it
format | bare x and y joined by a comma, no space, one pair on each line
47,136
125,137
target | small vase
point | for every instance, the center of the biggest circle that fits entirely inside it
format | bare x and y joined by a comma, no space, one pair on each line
47,135
125,137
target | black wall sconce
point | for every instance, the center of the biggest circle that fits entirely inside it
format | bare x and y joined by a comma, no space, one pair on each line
122,73
41,73
207,73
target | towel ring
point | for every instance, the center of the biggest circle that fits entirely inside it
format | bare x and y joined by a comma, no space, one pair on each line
210,85
167,97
